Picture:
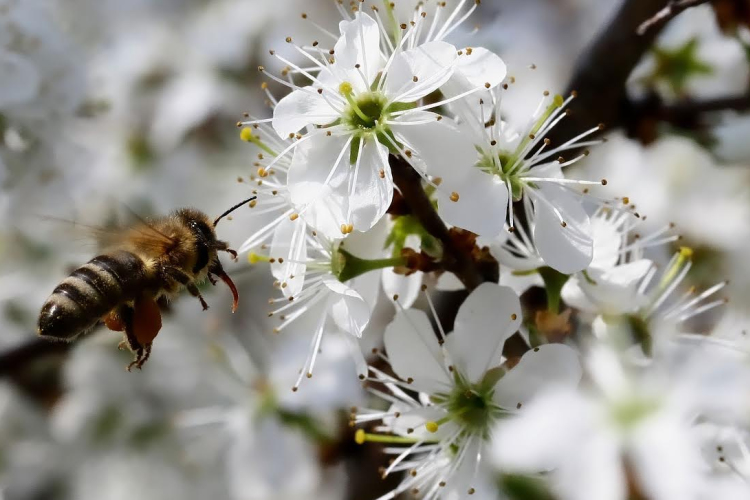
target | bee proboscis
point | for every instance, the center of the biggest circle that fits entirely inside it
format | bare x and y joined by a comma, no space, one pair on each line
146,262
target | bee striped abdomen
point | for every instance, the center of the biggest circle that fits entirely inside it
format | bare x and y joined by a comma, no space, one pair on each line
90,292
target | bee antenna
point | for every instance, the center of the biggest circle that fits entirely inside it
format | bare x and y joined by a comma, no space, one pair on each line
238,205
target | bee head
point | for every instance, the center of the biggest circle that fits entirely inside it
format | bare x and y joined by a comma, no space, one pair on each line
202,228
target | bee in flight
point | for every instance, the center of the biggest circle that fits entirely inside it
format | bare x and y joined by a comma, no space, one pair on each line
147,262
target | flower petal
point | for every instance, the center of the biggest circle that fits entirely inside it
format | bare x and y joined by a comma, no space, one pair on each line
418,72
540,437
551,364
567,248
347,308
289,249
445,152
414,352
488,316
406,287
320,203
372,192
359,44
301,108
475,68
615,290
480,206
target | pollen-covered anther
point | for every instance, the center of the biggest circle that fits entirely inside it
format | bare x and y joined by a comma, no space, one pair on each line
253,203
471,491
431,427
381,173
345,88
294,216
454,196
288,39
246,134
625,200
487,85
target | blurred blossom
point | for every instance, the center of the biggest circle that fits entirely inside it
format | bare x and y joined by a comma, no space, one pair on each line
693,57
631,427
675,180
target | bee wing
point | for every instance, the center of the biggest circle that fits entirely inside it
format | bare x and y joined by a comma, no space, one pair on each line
138,231
144,234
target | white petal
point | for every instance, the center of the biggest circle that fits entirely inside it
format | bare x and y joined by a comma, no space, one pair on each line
359,44
574,296
481,206
406,287
311,165
666,443
474,69
20,81
414,352
607,240
347,308
289,244
372,193
540,438
480,67
567,249
615,290
445,152
539,368
488,316
301,108
257,457
431,63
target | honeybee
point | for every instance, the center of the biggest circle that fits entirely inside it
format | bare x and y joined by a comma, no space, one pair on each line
140,265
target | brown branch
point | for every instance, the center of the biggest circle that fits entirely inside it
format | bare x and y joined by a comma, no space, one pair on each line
664,15
456,258
601,72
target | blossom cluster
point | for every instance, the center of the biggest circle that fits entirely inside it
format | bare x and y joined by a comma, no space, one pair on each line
606,391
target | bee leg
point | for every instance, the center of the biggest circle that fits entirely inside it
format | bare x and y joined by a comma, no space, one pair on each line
212,279
224,247
185,280
144,356
127,314
196,293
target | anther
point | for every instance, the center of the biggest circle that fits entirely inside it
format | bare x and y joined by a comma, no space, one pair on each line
294,216
454,196
604,182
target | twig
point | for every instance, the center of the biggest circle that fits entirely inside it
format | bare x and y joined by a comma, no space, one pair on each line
602,70
671,10
455,258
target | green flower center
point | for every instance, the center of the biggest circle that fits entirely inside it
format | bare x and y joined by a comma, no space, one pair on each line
471,406
365,111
